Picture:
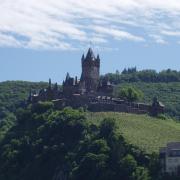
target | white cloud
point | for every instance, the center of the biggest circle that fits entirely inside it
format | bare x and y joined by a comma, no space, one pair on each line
158,39
8,40
58,24
171,33
117,34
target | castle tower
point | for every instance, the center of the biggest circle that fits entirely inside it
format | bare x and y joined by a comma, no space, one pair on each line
90,71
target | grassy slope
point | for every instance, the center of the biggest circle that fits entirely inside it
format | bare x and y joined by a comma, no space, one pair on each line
148,133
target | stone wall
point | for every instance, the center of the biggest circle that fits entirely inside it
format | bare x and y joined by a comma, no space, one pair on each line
94,105
100,106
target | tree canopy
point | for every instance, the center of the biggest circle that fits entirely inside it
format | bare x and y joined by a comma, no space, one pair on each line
133,75
129,93
46,143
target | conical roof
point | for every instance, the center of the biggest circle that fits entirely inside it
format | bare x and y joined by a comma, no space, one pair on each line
90,55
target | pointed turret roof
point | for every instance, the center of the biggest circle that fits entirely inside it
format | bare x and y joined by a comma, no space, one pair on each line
90,55
82,57
98,58
50,83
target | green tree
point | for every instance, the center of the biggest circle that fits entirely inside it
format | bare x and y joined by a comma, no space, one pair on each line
128,164
129,93
107,127
140,173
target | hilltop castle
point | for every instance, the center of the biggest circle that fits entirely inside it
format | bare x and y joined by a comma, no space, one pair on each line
91,92
89,82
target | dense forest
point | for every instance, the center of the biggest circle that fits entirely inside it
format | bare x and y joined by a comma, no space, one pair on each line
13,94
133,75
49,144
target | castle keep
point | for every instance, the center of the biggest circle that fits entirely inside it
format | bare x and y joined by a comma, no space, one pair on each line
91,92
89,83
90,71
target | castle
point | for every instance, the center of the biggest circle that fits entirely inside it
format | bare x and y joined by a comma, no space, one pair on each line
91,92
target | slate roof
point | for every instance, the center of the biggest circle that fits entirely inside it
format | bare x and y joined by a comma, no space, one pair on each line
90,55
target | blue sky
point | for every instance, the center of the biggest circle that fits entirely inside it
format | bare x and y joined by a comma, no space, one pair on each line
46,38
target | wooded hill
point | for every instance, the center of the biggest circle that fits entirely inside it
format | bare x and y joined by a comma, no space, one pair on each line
49,144
41,142
14,93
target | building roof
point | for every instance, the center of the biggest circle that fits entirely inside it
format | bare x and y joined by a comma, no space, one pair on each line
172,149
161,104
90,55
173,145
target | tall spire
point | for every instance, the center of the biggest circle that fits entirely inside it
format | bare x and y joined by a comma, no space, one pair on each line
90,54
98,58
76,80
67,76
56,87
49,82
82,57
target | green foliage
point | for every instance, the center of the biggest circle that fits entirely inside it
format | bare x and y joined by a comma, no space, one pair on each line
165,85
143,131
13,93
92,166
107,127
162,116
133,75
128,164
141,173
129,93
42,107
41,143
46,144
167,93
7,121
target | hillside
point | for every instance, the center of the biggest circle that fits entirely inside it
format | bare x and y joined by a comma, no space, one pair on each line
157,132
167,93
49,144
83,145
13,93
145,132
